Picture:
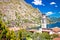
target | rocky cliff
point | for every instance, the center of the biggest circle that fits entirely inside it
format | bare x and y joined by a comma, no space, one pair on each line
18,13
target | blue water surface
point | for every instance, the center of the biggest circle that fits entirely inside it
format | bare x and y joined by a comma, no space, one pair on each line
57,24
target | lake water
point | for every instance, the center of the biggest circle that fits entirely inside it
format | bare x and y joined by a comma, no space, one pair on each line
57,24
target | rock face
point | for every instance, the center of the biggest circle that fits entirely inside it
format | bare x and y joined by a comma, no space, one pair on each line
18,13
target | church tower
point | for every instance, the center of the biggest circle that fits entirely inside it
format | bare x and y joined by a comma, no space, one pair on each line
43,21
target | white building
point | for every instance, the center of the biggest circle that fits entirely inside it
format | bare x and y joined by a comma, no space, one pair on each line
43,21
44,28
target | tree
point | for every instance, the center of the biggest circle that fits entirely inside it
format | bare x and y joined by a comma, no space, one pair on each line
3,30
21,34
54,36
45,36
11,35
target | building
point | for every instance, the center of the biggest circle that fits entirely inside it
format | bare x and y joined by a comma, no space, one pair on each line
43,21
55,30
44,28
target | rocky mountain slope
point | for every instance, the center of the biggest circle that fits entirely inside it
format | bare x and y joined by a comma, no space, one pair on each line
18,13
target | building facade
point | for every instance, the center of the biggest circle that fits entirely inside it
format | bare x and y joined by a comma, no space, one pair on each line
43,21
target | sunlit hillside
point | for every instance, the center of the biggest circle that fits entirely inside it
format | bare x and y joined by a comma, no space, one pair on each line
18,13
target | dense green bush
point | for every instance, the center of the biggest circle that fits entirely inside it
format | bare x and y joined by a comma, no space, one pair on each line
3,30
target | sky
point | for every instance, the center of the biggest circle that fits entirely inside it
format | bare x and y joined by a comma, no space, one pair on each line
49,7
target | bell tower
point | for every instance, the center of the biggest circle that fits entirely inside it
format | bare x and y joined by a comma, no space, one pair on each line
43,21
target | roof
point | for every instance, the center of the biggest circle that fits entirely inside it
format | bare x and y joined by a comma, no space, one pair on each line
33,30
46,30
56,29
43,14
56,39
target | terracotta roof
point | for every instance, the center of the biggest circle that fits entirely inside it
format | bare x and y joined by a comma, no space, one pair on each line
56,39
56,29
33,30
46,29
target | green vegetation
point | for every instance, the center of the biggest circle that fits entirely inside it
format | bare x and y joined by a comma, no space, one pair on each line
3,30
22,34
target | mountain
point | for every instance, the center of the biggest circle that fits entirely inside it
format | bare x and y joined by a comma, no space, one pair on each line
20,14
57,24
54,19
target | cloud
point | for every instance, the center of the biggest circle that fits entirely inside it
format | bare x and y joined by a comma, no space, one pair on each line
58,12
38,2
56,6
49,13
52,3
